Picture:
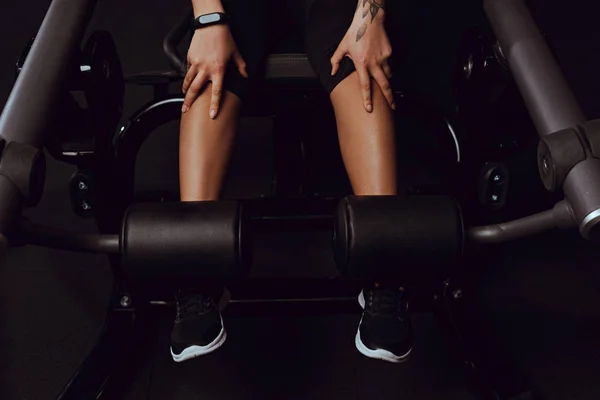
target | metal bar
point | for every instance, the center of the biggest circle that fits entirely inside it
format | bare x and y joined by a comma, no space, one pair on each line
29,108
23,119
60,239
548,98
262,301
504,232
293,223
290,215
560,216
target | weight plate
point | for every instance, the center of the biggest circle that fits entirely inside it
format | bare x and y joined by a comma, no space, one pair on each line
103,75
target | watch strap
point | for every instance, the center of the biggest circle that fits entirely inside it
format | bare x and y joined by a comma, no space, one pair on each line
205,20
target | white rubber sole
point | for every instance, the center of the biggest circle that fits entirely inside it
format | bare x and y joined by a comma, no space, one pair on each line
378,354
197,351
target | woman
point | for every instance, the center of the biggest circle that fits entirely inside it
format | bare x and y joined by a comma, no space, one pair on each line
349,49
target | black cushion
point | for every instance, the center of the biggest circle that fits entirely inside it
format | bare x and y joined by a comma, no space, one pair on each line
397,237
284,66
182,240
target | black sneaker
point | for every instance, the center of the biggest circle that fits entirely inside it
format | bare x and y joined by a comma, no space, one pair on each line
385,331
198,328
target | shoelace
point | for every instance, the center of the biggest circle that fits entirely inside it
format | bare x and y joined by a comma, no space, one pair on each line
385,303
192,304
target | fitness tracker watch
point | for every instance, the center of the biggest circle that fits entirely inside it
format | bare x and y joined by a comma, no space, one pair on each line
205,20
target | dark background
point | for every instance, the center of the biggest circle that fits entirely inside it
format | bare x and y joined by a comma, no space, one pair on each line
544,296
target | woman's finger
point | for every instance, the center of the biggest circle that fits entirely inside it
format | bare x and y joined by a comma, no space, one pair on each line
387,69
194,91
365,86
189,78
217,90
240,63
383,82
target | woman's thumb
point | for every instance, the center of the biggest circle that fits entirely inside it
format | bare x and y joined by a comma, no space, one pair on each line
337,58
241,64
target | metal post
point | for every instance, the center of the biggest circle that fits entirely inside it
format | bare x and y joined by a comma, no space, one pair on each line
34,96
549,99
551,103
29,108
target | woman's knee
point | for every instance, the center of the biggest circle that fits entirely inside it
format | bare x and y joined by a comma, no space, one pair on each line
201,105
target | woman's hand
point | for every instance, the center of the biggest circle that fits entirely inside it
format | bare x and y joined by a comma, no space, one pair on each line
210,51
366,43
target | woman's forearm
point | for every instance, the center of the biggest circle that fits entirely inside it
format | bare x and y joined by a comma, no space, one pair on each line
371,7
368,11
206,6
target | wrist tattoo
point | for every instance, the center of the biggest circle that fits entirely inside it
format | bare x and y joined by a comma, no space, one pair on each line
373,8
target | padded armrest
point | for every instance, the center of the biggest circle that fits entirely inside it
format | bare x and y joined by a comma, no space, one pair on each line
288,66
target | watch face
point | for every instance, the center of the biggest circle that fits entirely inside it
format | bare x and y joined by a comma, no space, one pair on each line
209,18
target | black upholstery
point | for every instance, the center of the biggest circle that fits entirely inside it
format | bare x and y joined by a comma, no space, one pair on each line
395,237
288,60
185,240
290,65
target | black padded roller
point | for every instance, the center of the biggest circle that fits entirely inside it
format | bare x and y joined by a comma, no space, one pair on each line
181,240
392,237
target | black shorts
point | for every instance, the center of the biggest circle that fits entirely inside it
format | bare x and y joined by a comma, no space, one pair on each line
257,26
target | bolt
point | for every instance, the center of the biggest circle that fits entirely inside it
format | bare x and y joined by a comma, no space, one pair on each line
457,294
436,297
82,186
494,197
496,178
85,206
125,301
545,166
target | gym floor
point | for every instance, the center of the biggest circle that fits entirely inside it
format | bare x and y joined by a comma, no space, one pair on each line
541,293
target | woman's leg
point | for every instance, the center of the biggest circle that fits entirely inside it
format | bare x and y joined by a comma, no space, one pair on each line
368,145
367,140
204,152
205,147
205,144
